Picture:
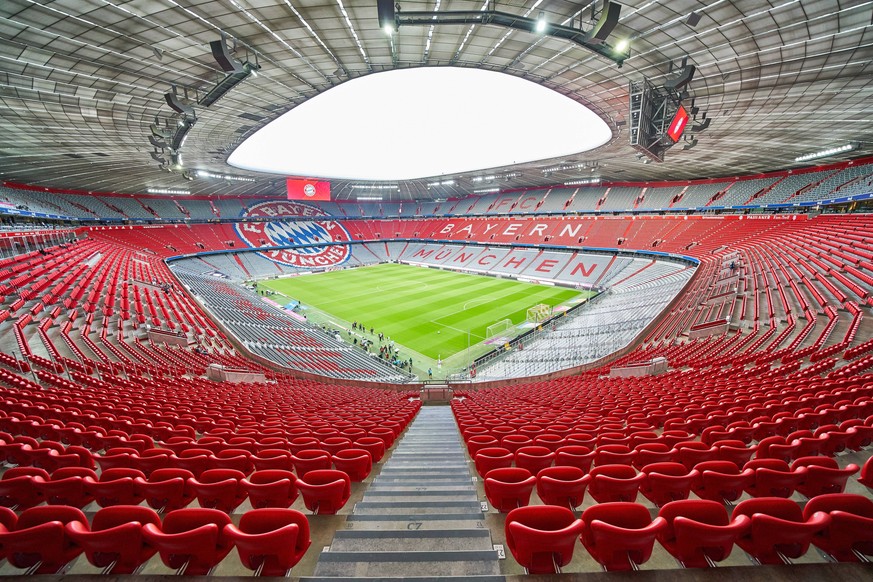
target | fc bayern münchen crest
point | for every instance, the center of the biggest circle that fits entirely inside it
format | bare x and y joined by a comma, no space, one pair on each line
312,232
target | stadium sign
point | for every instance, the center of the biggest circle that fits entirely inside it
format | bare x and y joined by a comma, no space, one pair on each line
307,236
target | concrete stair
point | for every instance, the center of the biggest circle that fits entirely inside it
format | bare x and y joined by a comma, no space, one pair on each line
420,518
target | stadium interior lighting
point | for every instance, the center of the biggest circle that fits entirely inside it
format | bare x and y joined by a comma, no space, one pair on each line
567,167
375,187
486,190
455,143
368,198
228,177
492,177
582,182
443,183
175,191
622,45
828,152
593,39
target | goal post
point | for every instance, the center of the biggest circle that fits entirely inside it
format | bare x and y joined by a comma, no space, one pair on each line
501,328
539,313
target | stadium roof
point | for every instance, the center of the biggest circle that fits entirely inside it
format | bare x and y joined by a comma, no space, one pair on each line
83,80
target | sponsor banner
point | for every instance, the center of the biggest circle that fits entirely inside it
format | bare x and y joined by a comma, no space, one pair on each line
278,232
307,189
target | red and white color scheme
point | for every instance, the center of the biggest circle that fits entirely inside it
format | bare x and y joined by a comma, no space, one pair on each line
277,233
302,189
677,126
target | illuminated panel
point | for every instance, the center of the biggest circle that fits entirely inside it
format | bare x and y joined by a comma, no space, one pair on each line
307,189
677,126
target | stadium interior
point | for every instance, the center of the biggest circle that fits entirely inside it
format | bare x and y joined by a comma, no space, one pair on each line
654,356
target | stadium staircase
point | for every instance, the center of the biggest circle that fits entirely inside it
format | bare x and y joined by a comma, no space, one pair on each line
420,517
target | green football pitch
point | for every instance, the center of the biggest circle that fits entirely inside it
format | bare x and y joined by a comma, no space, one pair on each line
428,311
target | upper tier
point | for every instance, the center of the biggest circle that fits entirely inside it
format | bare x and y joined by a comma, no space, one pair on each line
834,184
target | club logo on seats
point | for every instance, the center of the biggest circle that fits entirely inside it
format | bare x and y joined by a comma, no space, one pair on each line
308,236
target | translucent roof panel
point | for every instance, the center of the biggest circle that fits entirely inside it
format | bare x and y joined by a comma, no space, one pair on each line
406,124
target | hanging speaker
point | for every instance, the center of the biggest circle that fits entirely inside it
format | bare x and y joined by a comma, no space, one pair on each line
222,56
685,76
176,104
693,19
608,20
386,13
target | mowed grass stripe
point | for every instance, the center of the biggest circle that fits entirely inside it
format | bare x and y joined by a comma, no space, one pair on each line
411,304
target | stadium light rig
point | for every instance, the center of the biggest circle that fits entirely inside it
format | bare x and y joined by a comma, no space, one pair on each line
375,187
582,182
228,177
541,23
828,152
595,39
173,191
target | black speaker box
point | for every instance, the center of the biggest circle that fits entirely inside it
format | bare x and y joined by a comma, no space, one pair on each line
608,20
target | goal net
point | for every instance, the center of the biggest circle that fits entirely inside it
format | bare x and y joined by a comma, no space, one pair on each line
501,328
539,313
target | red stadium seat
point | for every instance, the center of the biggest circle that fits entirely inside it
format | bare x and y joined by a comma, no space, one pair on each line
613,455
542,538
375,446
66,487
235,459
773,478
166,489
273,459
823,475
39,539
335,444
620,535
311,460
219,489
699,532
690,453
776,447
666,482
191,541
356,463
866,477
270,541
779,530
17,490
270,488
614,483
574,456
849,536
324,491
114,487
721,481
534,458
492,458
649,453
562,486
513,442
479,441
114,541
509,487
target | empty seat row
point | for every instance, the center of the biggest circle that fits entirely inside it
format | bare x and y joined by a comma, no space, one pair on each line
698,533
324,490
723,481
120,539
